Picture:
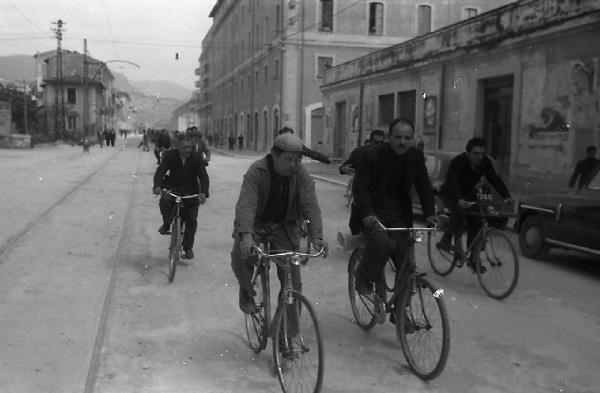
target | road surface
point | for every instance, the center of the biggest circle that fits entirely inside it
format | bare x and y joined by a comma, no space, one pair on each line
87,307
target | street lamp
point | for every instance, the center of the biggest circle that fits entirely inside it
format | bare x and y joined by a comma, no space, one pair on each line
87,81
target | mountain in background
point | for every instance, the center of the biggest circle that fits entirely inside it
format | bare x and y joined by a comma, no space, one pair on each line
18,67
154,101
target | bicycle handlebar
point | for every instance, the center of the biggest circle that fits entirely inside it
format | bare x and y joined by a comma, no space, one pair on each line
169,192
287,254
406,229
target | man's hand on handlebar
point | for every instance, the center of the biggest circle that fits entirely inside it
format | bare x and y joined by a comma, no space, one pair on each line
246,244
465,204
371,221
157,190
320,244
202,198
432,221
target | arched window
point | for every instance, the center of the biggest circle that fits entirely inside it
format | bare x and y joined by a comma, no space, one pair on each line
326,22
424,25
266,127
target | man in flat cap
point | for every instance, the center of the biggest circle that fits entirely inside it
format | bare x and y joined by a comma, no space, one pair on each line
276,195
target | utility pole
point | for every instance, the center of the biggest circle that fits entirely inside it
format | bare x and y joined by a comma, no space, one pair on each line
86,98
59,114
25,106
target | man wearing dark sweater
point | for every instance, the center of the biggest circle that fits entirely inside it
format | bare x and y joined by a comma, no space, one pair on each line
381,189
186,176
460,190
585,168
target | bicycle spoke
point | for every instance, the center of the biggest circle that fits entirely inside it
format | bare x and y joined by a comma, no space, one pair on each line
501,265
424,331
297,348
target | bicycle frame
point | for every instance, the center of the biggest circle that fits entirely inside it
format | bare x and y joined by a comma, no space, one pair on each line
481,234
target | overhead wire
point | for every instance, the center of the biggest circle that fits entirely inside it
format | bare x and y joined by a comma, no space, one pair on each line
109,27
27,18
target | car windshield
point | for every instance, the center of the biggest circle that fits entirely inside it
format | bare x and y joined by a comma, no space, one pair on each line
595,182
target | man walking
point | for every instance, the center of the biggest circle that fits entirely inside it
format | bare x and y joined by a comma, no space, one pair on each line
585,168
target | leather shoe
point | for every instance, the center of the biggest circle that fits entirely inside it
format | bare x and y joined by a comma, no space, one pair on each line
246,302
362,285
188,254
164,230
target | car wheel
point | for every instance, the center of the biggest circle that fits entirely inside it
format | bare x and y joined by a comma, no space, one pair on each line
532,239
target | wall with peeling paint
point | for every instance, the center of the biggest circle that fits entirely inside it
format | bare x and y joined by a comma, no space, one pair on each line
549,47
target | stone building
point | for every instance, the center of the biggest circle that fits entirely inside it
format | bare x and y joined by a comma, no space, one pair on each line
524,76
101,98
263,60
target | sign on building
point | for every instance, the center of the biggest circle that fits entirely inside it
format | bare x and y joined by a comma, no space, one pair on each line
5,118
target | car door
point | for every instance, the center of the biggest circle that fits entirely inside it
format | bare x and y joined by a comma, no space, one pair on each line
580,217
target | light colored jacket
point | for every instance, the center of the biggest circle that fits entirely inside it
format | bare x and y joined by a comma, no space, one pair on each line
302,203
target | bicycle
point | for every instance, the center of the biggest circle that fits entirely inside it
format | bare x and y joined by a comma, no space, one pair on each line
175,246
296,338
491,252
415,306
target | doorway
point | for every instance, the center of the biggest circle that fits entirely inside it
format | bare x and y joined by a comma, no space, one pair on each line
497,120
339,140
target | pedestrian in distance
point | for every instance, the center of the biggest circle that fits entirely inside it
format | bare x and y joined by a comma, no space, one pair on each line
113,135
231,141
144,141
585,168
106,135
240,142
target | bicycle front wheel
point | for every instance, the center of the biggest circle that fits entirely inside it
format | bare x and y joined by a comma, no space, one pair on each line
442,262
363,306
498,265
298,346
174,247
423,329
257,322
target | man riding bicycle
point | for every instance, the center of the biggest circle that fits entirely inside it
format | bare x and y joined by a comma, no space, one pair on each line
348,167
163,142
382,184
276,194
459,191
186,175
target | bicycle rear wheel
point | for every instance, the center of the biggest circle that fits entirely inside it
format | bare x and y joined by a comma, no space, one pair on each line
363,307
257,322
442,262
298,347
175,246
498,265
423,329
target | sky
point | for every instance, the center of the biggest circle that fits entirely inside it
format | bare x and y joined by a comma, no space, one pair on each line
149,33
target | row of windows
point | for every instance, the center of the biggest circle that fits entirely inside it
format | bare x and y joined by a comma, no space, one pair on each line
376,17
232,125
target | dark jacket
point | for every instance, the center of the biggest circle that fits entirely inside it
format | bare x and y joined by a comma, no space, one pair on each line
302,202
584,170
187,179
369,187
354,157
461,179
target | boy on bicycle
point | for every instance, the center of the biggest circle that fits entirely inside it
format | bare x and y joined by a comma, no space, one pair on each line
276,194
460,190
382,183
186,175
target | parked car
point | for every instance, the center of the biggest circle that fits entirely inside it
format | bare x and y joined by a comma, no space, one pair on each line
568,220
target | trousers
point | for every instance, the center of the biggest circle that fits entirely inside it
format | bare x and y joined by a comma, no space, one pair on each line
189,215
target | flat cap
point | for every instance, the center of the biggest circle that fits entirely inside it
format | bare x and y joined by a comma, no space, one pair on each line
288,142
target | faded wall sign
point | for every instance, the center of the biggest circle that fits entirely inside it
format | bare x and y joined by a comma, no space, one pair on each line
429,114
552,122
5,118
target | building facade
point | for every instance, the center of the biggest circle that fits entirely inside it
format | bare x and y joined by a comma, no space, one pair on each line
65,113
524,77
263,61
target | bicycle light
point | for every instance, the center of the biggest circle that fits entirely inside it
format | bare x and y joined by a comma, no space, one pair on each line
295,260
419,236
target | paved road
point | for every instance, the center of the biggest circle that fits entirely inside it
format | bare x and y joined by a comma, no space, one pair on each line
87,306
